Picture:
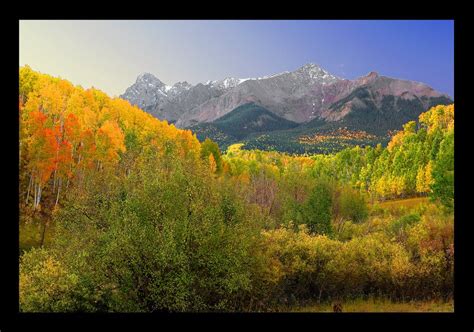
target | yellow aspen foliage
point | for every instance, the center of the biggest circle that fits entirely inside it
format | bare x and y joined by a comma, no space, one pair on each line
110,141
212,163
429,175
383,186
398,185
424,178
438,117
28,80
408,129
420,181
395,141
225,167
65,129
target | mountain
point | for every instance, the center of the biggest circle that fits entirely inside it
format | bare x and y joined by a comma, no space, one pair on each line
239,124
148,92
310,98
209,101
291,95
378,104
226,83
172,108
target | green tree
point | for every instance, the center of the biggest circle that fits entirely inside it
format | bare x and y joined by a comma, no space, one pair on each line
443,172
209,147
317,209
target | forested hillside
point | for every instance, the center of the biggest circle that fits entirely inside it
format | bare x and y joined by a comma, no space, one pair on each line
243,122
366,126
419,160
142,217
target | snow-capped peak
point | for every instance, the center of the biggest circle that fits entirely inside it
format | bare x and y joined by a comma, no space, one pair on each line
271,76
148,78
231,82
316,74
149,90
226,83
177,88
310,71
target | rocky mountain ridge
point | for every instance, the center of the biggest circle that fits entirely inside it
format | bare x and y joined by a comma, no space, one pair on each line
307,93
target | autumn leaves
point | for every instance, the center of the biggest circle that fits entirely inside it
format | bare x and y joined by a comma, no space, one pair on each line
66,131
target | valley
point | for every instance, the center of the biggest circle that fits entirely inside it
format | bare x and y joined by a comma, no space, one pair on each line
123,212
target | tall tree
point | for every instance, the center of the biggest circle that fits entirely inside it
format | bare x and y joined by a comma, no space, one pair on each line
317,210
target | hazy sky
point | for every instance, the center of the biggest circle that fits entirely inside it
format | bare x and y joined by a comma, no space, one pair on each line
109,55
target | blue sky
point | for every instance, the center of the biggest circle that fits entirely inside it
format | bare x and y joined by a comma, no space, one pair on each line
111,54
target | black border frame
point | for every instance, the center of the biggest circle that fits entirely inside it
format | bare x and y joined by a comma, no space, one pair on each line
11,319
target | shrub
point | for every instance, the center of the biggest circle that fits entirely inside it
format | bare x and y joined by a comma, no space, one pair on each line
300,262
353,206
46,285
399,227
169,239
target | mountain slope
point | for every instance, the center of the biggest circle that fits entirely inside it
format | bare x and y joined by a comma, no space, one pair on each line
320,103
242,122
172,108
152,95
379,104
294,96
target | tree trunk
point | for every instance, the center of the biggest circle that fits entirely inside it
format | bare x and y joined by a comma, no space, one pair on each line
56,162
29,187
39,195
59,189
320,294
43,233
35,194
54,181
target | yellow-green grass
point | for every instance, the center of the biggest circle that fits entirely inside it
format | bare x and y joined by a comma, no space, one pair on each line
380,305
408,202
400,206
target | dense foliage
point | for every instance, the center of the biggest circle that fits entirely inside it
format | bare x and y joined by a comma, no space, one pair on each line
419,160
148,219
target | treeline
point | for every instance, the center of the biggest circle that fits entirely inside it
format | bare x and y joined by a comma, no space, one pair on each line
148,219
419,160
68,135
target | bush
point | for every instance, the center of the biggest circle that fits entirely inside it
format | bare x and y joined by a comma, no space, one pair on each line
167,241
46,285
347,230
431,245
399,227
314,267
353,206
299,263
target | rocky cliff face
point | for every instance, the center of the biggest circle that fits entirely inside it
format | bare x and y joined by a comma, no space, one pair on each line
307,93
150,94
